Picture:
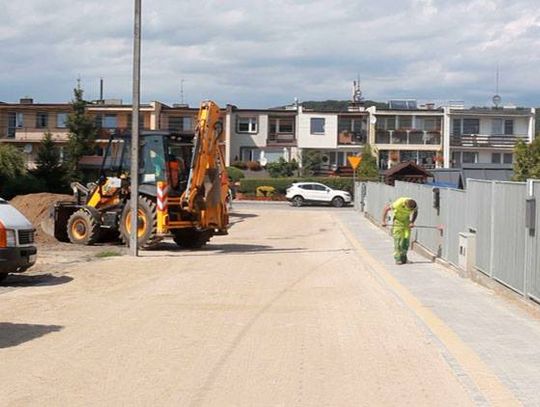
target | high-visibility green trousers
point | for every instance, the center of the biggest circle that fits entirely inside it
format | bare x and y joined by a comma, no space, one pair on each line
402,235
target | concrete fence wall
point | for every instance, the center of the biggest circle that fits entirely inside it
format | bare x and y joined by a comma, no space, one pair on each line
506,250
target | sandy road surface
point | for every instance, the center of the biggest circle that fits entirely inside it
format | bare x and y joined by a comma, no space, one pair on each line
281,312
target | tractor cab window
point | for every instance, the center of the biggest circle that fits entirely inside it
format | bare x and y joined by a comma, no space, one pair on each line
178,161
153,160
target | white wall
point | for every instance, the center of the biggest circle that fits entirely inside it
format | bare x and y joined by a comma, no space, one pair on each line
238,140
308,140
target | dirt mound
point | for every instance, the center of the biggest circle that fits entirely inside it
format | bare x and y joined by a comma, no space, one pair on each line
36,208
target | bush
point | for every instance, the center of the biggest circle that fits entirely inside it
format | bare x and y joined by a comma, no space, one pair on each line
282,168
22,185
249,185
254,166
240,165
235,174
265,190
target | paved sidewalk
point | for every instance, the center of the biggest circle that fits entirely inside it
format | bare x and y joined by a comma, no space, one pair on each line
469,321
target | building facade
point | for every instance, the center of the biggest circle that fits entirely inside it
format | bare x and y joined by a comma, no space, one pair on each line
431,137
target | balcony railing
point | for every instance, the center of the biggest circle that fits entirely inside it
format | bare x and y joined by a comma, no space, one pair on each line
409,137
281,139
479,140
352,137
33,134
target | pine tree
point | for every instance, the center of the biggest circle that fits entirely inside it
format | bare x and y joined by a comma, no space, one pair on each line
82,134
48,165
12,163
368,166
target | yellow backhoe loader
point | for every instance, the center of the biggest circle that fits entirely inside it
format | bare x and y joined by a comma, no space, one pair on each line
183,186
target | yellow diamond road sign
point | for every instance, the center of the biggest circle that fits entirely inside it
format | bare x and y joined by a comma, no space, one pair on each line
354,161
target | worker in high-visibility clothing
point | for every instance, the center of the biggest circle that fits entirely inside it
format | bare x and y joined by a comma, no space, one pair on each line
404,212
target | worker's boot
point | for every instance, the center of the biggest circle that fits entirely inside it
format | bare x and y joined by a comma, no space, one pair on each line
404,259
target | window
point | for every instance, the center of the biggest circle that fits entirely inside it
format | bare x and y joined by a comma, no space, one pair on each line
282,126
61,119
386,122
250,154
42,120
405,122
11,128
246,125
495,158
470,157
110,121
456,127
509,127
306,186
429,124
181,124
317,187
19,120
496,126
508,158
471,126
317,125
352,125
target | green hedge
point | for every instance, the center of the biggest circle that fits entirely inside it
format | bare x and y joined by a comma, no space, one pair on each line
249,185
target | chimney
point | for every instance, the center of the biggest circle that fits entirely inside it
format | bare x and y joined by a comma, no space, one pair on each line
26,101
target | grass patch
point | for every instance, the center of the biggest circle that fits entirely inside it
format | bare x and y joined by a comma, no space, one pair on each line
107,253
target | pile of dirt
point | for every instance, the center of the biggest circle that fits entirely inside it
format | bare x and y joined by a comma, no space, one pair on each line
36,208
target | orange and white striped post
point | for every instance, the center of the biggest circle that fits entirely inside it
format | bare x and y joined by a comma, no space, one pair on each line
162,207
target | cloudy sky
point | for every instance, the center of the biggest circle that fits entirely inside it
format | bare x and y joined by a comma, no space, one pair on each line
257,53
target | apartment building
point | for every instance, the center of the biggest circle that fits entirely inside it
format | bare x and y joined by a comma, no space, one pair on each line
24,125
336,135
485,135
407,132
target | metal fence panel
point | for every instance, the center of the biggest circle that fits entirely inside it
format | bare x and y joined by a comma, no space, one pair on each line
479,217
533,282
508,251
453,206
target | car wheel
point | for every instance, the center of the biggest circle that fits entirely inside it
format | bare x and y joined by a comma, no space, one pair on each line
297,201
338,202
3,276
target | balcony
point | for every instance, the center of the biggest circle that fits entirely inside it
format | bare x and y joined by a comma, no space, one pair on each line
479,140
352,138
35,135
408,137
281,139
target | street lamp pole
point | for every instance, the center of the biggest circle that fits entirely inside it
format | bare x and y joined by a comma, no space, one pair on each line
133,241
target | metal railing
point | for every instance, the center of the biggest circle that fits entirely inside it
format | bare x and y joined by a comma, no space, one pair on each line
482,140
409,137
281,139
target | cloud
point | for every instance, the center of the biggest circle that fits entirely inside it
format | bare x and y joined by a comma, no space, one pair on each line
259,53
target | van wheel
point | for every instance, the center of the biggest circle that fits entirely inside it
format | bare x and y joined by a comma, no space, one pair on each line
297,201
3,276
83,228
338,202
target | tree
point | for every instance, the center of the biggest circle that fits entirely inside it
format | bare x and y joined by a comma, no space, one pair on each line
282,168
527,164
368,166
82,134
48,165
311,161
12,163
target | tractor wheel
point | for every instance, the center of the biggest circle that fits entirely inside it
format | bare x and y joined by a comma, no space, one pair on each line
146,224
191,238
83,228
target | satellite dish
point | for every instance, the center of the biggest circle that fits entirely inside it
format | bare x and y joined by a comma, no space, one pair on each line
372,120
28,148
497,100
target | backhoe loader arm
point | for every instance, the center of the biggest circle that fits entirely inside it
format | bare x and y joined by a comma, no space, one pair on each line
207,187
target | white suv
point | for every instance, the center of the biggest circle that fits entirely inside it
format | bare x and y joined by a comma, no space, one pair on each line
313,192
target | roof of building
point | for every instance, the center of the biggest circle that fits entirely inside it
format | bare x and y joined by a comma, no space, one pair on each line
407,167
457,177
492,111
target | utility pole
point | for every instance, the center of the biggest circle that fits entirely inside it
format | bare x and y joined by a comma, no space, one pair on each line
134,202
